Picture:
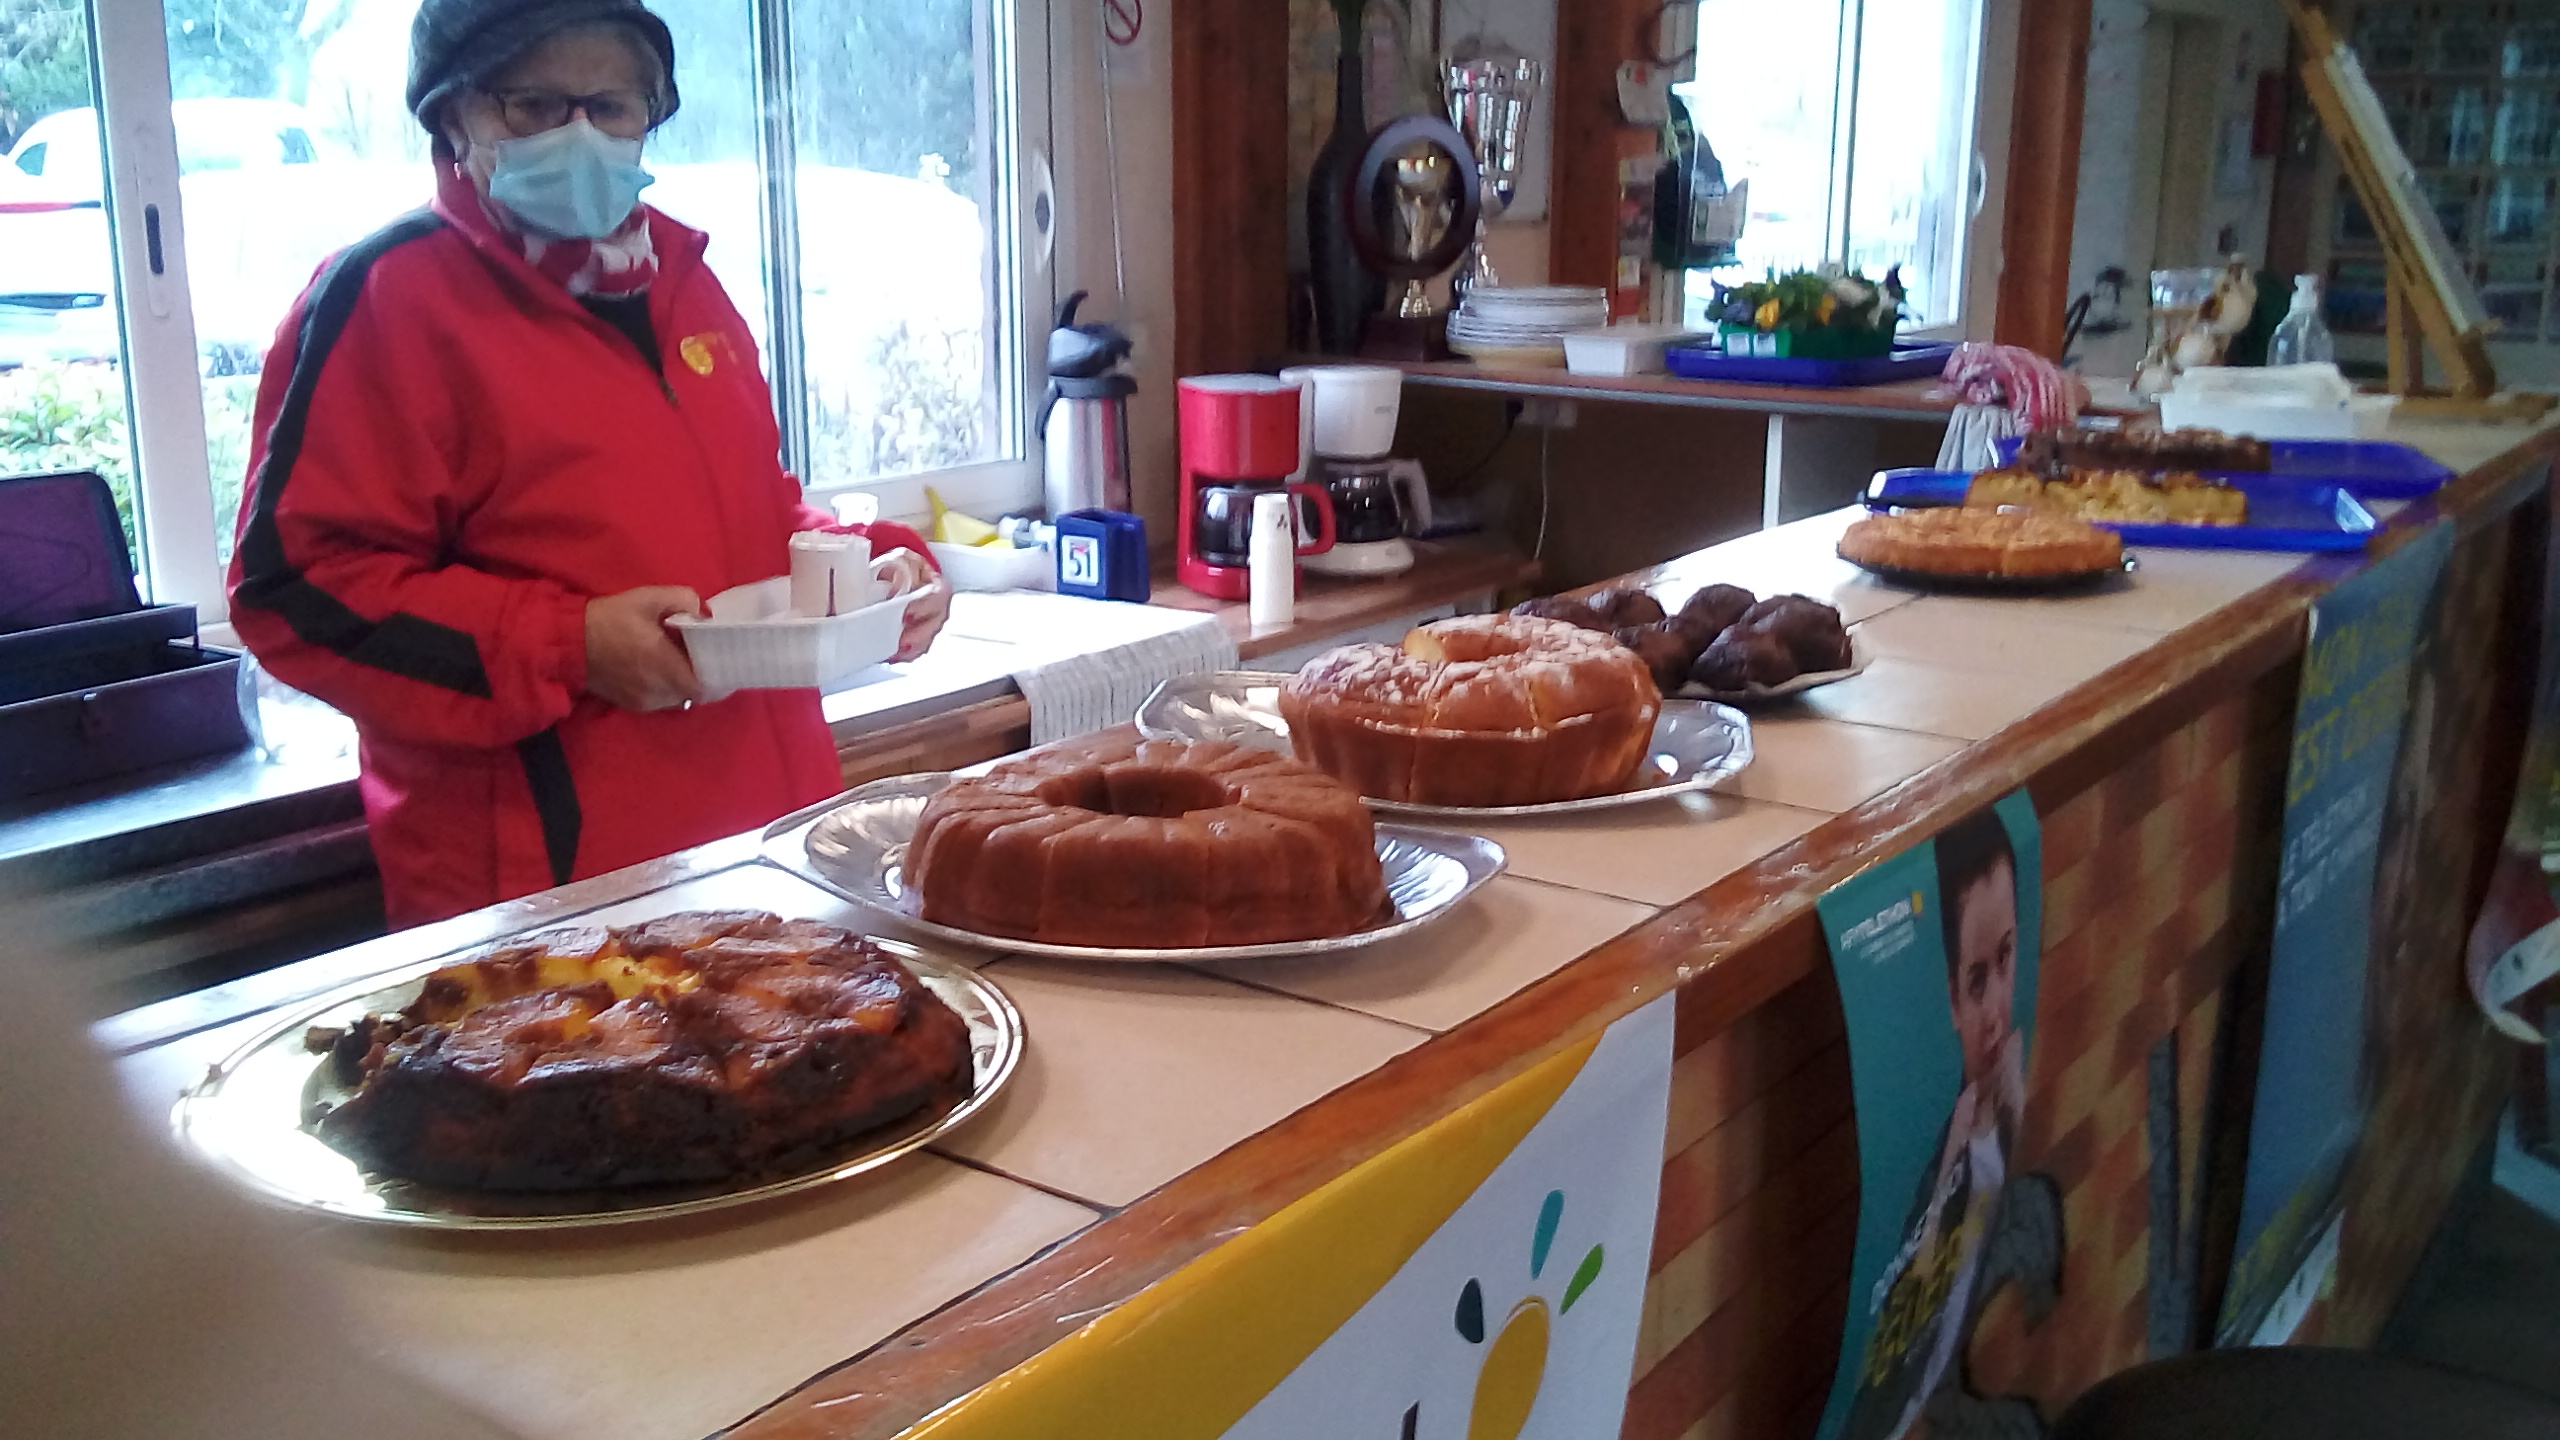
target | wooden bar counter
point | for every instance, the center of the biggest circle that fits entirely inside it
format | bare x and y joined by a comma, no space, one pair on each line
1161,1110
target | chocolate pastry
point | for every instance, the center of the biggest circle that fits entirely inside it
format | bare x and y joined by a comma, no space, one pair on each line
1810,630
1626,607
1713,610
1665,649
1565,608
1767,659
1724,666
1742,658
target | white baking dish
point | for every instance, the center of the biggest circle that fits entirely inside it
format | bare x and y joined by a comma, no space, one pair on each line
752,641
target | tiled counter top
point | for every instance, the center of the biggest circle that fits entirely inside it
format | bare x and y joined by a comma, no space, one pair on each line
1161,1108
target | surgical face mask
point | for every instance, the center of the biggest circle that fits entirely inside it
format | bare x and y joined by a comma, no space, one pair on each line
573,181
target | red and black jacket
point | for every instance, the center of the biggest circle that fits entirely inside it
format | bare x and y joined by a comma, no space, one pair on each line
453,456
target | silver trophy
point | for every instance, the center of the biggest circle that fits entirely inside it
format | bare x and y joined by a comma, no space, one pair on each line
1489,103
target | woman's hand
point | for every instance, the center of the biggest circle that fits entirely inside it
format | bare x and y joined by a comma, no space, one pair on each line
632,662
908,572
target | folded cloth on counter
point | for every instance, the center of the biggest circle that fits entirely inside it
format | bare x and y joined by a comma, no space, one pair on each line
1971,432
1098,660
2028,391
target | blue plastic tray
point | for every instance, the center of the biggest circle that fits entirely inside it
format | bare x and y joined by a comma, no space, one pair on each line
1908,361
2366,469
2284,514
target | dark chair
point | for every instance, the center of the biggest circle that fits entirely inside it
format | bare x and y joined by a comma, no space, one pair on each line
2303,1393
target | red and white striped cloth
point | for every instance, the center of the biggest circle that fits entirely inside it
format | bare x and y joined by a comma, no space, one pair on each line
2005,391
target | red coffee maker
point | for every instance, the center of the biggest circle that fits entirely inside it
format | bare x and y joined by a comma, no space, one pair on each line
1239,440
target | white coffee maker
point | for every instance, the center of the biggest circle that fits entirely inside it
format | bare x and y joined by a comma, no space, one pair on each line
1347,426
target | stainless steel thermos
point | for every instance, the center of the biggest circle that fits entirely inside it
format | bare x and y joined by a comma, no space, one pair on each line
1084,420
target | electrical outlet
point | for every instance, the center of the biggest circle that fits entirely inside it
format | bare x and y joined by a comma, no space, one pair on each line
1545,413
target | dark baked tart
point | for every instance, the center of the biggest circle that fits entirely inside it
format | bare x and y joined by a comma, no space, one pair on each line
695,1047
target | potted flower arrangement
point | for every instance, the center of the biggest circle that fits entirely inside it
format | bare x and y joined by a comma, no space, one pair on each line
1826,314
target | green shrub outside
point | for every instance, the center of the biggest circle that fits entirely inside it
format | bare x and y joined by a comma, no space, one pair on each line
73,417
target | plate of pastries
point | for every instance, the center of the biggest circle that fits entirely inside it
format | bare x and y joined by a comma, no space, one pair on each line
1119,847
1982,549
603,1074
1476,717
1723,643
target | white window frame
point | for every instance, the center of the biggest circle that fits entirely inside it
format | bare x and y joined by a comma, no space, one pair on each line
165,399
173,485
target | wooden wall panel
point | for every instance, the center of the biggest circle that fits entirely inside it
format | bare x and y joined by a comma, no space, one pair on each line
1230,184
2044,174
1593,38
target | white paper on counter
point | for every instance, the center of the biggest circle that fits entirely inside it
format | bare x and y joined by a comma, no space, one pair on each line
1091,663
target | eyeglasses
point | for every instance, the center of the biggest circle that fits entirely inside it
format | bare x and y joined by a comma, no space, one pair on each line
624,113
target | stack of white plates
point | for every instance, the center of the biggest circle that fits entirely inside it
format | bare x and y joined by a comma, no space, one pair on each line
1525,326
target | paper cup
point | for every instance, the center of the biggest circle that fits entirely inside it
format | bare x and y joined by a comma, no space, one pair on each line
830,574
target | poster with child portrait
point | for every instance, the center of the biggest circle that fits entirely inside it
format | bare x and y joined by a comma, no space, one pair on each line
1936,951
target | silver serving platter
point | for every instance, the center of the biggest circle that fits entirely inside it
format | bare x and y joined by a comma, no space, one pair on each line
1753,694
247,1117
856,846
1696,743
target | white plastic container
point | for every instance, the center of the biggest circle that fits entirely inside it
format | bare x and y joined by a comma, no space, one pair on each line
996,567
2290,402
1621,349
752,641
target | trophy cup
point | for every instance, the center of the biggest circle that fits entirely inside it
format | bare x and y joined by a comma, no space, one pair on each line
1413,206
1489,103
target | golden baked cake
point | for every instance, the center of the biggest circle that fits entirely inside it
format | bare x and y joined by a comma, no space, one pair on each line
1477,711
1981,543
1148,844
2123,497
691,1048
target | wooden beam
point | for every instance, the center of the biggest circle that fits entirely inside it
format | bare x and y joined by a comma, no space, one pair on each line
2044,174
1230,184
1593,38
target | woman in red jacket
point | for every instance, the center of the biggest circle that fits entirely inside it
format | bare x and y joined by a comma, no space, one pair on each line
499,443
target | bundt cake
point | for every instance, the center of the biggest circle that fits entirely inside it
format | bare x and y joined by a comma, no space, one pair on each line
690,1048
1481,710
1148,844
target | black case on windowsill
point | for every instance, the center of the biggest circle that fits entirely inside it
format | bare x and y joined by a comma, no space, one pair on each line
93,683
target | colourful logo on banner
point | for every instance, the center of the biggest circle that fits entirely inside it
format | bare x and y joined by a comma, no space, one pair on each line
1458,1285
1516,1367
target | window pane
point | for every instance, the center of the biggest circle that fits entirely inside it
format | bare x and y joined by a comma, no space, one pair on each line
899,173
62,391
293,142
705,158
1764,101
1911,184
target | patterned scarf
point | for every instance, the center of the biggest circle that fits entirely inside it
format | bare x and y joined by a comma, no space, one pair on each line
619,265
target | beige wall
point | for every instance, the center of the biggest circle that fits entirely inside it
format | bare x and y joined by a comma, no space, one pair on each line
1142,124
2167,81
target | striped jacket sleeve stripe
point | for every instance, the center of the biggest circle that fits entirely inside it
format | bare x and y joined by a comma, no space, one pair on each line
400,644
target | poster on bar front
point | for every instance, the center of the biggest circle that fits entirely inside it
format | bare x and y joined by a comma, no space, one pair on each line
1482,1280
2309,1110
1938,951
2514,956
